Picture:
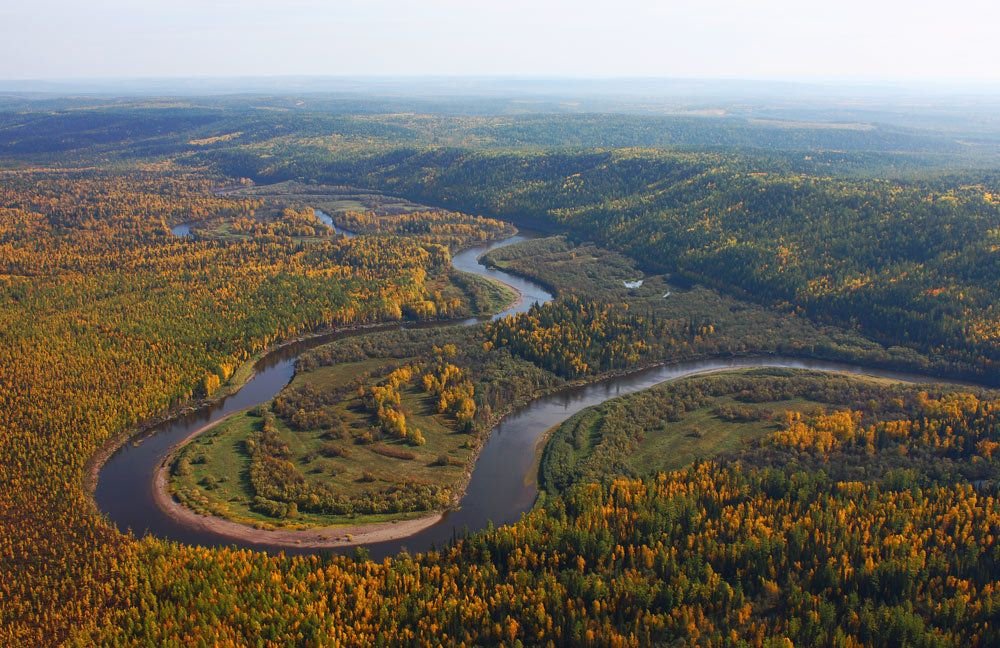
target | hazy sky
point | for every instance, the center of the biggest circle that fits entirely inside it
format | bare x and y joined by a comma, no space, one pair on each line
762,39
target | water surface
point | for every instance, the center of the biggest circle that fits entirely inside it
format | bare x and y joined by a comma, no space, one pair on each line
503,483
124,491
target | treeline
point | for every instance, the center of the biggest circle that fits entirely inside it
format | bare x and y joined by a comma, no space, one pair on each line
871,431
78,129
453,229
291,222
573,337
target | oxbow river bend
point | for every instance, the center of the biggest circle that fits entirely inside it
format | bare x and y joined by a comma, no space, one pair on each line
503,483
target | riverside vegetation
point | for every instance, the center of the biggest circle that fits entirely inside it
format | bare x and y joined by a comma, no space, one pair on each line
387,425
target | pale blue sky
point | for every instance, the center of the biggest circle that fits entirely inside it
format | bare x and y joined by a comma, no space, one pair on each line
760,39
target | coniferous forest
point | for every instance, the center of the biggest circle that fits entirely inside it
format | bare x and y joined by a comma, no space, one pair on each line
836,484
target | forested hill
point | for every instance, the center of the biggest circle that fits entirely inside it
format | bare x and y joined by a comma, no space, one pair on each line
914,263
858,142
784,213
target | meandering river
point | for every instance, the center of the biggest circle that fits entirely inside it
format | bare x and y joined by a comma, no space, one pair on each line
503,484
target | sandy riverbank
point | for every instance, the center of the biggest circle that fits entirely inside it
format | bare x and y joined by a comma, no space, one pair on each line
245,532
311,538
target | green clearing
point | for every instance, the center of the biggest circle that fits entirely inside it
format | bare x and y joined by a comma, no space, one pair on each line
703,434
484,296
218,480
675,424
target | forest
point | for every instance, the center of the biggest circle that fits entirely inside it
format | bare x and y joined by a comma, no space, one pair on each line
384,424
793,507
906,262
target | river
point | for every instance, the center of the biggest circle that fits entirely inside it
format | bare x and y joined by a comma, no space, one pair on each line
502,486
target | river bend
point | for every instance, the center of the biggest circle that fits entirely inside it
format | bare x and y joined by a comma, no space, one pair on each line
502,486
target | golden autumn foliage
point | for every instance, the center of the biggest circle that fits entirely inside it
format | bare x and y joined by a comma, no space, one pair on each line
957,425
454,392
698,555
453,229
574,337
107,320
